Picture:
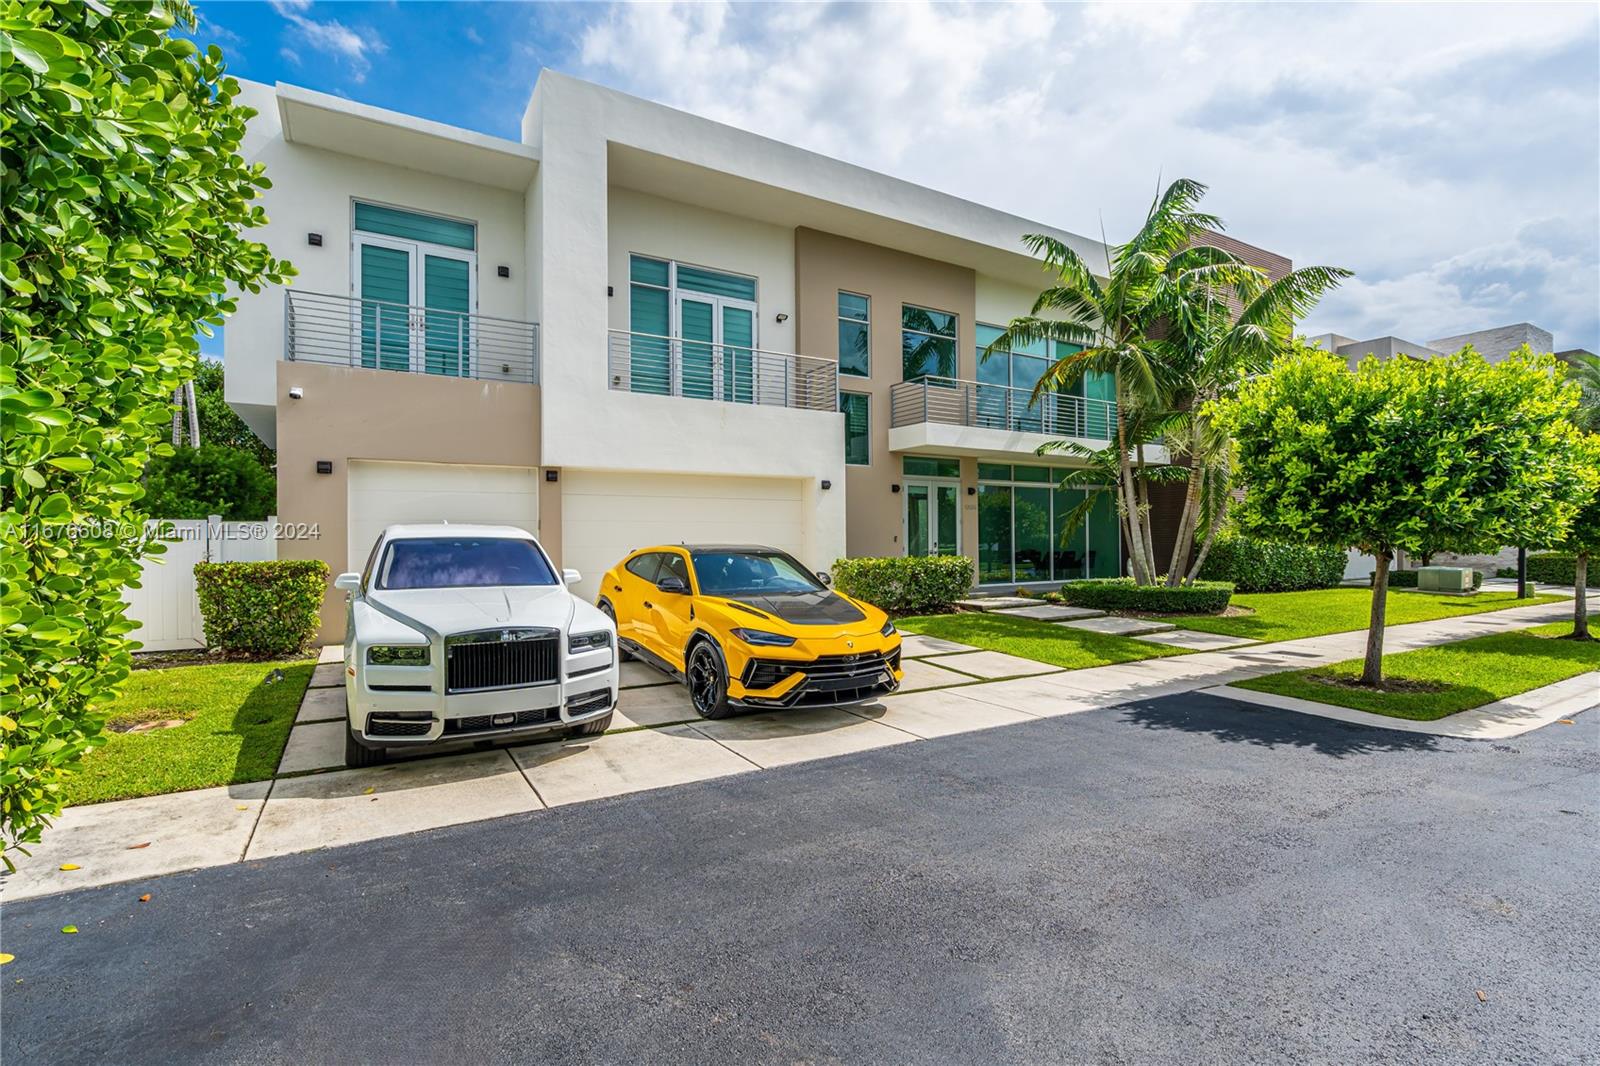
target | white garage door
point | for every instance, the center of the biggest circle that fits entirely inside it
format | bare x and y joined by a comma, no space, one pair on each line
605,516
382,494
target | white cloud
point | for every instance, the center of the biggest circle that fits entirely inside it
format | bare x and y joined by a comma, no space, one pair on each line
354,47
1449,154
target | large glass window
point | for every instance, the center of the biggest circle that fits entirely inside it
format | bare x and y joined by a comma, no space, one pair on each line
857,408
927,343
994,534
694,330
1005,388
1022,516
855,328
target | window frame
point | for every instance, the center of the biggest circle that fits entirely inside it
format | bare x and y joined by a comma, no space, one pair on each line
866,398
954,337
864,323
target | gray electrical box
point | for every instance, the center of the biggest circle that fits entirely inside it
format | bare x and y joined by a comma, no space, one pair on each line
1452,579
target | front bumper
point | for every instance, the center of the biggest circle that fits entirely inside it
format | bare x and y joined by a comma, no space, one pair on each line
824,681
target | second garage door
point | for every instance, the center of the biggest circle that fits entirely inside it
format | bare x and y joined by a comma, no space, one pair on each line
605,516
382,494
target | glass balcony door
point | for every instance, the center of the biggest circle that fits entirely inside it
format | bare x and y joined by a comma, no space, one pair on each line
933,518
414,306
715,352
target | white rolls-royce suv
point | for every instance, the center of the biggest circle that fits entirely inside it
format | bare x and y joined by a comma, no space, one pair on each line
469,633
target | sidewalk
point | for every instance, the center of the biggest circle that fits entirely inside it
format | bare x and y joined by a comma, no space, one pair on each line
949,689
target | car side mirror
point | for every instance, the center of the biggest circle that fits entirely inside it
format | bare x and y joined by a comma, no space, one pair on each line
673,585
824,577
571,576
349,582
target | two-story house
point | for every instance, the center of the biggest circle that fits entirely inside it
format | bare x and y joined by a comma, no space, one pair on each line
638,326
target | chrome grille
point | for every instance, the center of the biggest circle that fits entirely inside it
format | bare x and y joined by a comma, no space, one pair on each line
501,658
483,723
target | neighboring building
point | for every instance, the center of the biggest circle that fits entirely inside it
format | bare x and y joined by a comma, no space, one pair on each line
1494,344
639,326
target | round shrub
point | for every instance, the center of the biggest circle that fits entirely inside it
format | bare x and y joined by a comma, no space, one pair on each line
910,584
1121,594
261,610
1256,565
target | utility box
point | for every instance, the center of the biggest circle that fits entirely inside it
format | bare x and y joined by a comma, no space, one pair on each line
1456,580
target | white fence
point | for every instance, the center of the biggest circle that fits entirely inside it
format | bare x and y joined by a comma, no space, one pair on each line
167,604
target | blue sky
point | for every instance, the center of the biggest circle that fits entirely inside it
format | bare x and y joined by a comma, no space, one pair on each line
1449,154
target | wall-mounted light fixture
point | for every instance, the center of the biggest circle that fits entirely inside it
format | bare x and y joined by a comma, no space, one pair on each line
503,270
296,392
609,291
782,318
827,485
971,491
894,488
324,466
314,239
552,475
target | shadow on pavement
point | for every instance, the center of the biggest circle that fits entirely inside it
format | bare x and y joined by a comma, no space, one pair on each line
1243,723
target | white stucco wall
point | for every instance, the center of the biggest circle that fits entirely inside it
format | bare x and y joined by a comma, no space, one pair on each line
998,302
313,192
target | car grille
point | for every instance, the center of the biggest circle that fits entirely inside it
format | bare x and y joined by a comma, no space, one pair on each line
381,726
589,702
484,723
829,679
501,658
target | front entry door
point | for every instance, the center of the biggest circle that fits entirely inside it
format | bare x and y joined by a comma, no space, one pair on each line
933,518
416,300
715,355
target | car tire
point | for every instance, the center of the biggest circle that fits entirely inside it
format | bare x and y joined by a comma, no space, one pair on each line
594,728
357,755
623,655
707,676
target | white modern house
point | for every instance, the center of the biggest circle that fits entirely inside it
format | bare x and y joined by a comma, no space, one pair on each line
638,326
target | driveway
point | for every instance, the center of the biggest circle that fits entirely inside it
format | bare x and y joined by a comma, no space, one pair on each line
1175,879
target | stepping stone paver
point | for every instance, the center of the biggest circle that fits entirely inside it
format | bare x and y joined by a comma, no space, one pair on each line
921,674
1050,612
1117,626
939,713
654,705
314,746
589,768
637,675
995,603
328,675
992,664
1194,638
915,646
784,737
321,705
327,810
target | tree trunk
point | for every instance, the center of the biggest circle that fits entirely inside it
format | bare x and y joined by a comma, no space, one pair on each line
1580,598
1142,487
1211,536
1130,496
1183,547
1372,669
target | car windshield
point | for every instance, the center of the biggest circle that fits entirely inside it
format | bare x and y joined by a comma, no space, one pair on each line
724,573
463,562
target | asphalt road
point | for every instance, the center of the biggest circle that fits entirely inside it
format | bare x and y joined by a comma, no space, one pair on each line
1184,879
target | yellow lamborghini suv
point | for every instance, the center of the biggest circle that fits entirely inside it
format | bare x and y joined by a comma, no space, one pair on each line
749,628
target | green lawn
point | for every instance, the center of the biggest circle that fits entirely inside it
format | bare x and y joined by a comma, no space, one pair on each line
235,726
1029,638
1470,673
1289,615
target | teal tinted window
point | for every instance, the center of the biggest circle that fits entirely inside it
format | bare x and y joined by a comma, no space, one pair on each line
1105,538
696,279
994,533
1031,473
855,341
1031,533
393,222
926,321
929,466
994,472
648,271
927,343
857,426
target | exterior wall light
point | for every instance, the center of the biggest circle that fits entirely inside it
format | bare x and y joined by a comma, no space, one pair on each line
503,271
894,488
314,239
782,318
324,466
827,485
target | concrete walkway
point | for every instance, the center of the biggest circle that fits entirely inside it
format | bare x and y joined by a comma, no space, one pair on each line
950,689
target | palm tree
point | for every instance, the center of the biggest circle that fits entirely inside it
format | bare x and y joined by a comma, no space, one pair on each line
1585,370
1162,324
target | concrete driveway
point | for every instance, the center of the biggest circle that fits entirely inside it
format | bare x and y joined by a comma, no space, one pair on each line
1176,879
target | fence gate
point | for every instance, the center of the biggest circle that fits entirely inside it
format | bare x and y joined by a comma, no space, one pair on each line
167,603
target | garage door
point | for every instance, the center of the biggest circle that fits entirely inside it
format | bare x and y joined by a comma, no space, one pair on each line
382,494
605,516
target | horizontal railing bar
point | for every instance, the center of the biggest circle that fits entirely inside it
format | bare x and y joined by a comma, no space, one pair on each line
302,295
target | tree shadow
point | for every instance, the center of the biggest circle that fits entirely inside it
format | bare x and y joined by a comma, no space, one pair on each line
1242,723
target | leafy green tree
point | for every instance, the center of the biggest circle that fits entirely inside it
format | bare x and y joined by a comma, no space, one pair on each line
211,479
1176,323
1584,369
125,198
1448,454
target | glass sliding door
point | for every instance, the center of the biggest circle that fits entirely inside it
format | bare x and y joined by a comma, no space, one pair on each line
1031,533
933,518
994,533
715,358
415,306
1023,517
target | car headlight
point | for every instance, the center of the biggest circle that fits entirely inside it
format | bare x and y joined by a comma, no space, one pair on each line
887,630
580,642
397,655
761,638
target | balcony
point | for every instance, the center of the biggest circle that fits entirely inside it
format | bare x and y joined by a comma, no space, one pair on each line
947,415
347,331
703,370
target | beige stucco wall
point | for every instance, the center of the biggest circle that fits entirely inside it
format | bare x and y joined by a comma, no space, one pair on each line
349,413
825,264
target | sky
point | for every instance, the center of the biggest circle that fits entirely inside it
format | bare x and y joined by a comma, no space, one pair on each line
1448,154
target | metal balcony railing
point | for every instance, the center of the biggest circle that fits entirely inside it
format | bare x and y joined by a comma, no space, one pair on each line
974,403
350,331
672,366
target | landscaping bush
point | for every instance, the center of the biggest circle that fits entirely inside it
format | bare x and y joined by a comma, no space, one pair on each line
912,584
261,610
1121,594
1407,579
1256,565
1559,568
211,479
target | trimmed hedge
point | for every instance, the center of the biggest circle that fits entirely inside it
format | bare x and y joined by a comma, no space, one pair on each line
261,610
1121,594
1407,579
1255,565
1560,568
911,584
